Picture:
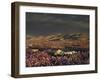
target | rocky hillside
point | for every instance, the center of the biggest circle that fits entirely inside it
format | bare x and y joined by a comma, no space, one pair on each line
58,40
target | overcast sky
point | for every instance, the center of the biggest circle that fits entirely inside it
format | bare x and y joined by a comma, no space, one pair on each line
47,23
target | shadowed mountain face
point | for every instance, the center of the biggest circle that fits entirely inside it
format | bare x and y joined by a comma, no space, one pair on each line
45,23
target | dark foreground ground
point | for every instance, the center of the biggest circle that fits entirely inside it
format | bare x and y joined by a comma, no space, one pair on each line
43,58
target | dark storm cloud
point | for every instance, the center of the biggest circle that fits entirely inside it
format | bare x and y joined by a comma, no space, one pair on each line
43,23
